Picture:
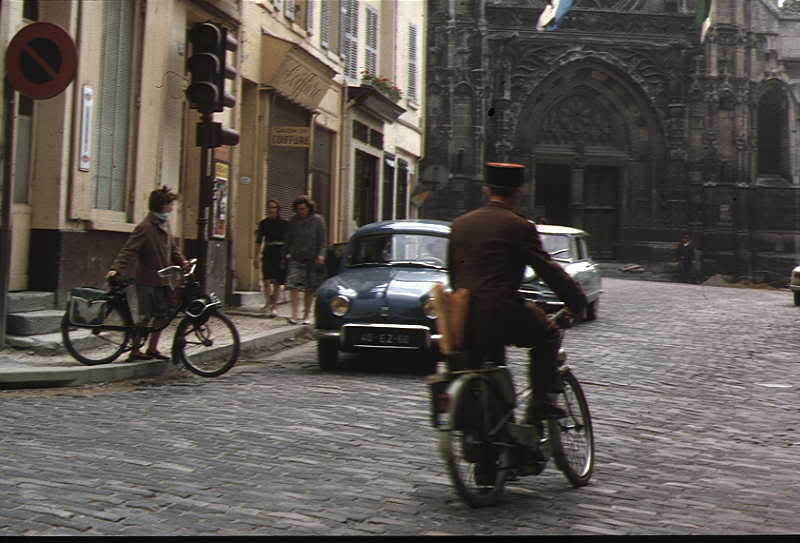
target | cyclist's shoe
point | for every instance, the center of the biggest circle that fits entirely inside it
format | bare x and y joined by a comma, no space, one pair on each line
156,355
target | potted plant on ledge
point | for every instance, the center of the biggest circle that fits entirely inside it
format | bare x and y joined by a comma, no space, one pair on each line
382,84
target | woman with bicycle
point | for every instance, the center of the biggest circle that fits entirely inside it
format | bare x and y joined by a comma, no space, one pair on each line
154,247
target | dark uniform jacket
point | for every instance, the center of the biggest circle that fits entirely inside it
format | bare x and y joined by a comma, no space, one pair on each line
155,248
488,251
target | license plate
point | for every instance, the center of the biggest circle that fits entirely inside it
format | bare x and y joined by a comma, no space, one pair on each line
387,338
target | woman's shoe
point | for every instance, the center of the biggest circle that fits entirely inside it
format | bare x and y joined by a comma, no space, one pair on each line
135,356
290,320
155,355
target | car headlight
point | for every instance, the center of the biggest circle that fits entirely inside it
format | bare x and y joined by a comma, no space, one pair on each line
795,280
429,309
340,305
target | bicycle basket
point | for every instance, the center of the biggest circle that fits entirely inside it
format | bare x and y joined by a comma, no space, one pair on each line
172,275
87,306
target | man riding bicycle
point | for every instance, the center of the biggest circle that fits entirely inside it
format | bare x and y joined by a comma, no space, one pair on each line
488,251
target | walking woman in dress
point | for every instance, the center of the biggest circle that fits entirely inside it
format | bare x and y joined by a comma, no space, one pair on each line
271,235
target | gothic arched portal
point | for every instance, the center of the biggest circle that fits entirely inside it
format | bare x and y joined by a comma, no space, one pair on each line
594,140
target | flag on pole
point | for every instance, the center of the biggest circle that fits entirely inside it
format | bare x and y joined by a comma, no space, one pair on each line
553,14
702,17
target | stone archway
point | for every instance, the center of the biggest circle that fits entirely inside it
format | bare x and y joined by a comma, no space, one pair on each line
593,128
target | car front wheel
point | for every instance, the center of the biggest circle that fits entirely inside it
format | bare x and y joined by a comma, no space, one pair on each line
327,354
796,297
592,309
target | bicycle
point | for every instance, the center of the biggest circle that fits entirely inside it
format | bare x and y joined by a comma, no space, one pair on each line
98,326
482,446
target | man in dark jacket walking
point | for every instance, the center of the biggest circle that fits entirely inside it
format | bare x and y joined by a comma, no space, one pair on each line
152,244
489,249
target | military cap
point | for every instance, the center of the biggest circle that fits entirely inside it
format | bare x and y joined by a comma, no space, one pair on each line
505,174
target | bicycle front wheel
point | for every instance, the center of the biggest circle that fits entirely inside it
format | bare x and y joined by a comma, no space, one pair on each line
208,346
572,437
96,344
476,465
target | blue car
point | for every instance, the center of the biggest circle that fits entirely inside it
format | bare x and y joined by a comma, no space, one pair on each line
379,301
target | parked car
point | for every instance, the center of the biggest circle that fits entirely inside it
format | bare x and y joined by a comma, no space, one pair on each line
379,300
794,284
569,248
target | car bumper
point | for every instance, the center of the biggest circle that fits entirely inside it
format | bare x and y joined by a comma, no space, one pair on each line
430,340
794,288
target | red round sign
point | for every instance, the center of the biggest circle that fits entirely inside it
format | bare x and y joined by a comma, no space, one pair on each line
41,60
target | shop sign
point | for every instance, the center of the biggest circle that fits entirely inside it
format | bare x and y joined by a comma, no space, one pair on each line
299,83
291,136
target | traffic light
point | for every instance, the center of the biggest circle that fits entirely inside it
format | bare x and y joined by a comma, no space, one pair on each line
210,70
204,65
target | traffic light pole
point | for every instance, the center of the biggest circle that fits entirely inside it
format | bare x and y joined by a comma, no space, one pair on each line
205,196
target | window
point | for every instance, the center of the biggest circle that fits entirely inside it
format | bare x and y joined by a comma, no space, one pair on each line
360,132
412,63
401,211
772,133
376,139
366,180
30,10
388,186
371,46
289,8
114,106
350,42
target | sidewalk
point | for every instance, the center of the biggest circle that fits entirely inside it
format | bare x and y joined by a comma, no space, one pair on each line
49,365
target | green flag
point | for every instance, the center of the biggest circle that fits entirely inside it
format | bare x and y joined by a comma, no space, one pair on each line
703,7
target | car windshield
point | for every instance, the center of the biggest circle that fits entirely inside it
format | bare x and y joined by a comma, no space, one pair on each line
557,245
399,248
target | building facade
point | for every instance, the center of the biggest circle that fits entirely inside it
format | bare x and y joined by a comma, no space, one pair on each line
631,126
82,164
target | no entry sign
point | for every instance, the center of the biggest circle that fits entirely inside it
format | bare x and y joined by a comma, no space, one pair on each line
41,60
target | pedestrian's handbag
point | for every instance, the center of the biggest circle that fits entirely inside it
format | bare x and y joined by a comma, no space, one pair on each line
87,306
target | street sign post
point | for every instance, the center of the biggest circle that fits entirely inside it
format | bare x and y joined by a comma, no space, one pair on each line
41,60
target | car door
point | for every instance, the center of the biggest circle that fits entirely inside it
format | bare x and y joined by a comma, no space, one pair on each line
587,273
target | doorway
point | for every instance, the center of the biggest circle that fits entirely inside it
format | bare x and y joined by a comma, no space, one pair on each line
600,211
553,193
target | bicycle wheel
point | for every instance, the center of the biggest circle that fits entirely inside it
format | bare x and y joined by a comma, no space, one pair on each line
97,344
572,437
476,466
208,347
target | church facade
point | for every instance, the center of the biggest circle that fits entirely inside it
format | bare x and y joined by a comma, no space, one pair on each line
632,126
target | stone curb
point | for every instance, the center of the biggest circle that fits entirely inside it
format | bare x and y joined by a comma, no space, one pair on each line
27,377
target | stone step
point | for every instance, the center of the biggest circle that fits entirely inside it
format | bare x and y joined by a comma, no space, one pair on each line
52,343
31,323
30,300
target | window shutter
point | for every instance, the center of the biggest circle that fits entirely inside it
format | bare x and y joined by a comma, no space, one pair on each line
324,24
412,62
288,9
111,164
309,17
350,21
371,47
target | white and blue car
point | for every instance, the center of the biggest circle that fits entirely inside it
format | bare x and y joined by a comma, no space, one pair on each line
379,301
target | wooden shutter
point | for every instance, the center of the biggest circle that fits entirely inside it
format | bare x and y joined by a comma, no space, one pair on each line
350,42
412,62
371,45
324,23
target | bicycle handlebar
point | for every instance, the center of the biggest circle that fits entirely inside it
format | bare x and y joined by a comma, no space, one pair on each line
563,318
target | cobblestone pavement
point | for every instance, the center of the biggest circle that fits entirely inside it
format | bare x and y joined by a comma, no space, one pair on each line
693,392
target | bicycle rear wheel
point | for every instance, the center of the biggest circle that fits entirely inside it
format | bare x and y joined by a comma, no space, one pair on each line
208,346
572,437
96,344
477,467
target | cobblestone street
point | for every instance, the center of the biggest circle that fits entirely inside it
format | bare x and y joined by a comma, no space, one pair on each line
693,393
